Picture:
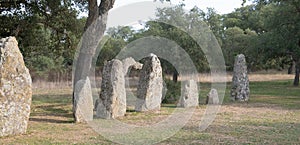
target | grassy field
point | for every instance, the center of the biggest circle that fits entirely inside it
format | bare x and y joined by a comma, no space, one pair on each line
272,116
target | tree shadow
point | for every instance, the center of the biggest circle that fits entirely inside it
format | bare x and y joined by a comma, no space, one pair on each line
46,107
50,120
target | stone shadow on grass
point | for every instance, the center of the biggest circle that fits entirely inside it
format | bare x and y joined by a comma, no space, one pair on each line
50,120
52,108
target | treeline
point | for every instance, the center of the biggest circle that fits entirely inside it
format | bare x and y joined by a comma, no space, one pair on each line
48,33
267,32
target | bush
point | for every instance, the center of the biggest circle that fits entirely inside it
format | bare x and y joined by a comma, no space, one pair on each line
48,69
173,92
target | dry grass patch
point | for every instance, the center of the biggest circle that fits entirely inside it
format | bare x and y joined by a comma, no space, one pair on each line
243,124
271,117
252,77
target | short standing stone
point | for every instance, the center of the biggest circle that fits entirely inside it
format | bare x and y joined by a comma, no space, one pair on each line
189,94
130,62
112,101
15,89
150,89
83,107
212,97
240,83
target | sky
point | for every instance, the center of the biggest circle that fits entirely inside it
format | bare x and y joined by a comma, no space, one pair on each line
136,13
221,6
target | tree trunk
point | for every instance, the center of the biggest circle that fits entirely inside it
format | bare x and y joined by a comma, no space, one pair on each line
175,76
93,13
291,68
94,30
296,80
297,67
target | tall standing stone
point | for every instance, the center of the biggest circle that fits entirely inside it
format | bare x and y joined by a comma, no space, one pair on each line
15,89
149,91
189,94
112,101
240,82
83,107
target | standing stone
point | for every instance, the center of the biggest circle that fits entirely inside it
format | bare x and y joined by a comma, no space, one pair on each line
112,101
15,89
149,91
83,107
240,83
189,94
130,62
212,97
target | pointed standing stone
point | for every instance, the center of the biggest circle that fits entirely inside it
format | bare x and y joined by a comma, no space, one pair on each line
15,89
149,91
240,83
112,101
83,107
189,94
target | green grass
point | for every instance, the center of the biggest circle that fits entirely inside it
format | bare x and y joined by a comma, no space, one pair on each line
272,116
281,93
51,104
278,88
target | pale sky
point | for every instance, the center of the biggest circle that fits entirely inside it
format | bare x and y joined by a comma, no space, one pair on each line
136,13
221,6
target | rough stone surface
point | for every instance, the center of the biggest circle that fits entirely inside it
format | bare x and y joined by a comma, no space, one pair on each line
112,101
212,97
15,89
130,62
240,83
149,91
130,83
189,94
83,107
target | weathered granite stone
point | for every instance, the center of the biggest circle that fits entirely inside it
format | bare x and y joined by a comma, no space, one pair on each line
149,91
112,101
189,94
15,89
83,107
240,83
130,62
212,97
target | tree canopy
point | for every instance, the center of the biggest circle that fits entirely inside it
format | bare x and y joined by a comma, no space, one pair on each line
267,32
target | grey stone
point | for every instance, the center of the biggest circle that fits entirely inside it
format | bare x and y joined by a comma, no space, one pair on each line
112,101
130,62
240,82
212,97
150,88
83,107
15,89
189,94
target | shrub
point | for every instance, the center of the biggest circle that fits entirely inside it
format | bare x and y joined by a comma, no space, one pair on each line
173,91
